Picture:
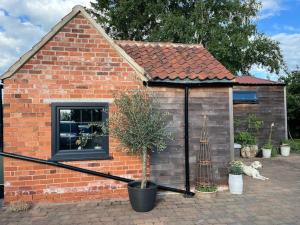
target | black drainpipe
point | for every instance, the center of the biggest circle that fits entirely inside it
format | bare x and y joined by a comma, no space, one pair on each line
186,86
186,140
186,125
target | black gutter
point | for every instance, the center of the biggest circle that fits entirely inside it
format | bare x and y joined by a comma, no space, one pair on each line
90,172
190,85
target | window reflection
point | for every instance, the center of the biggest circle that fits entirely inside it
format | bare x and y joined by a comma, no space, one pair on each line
80,129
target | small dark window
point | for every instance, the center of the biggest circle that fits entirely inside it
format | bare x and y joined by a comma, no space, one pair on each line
77,131
245,97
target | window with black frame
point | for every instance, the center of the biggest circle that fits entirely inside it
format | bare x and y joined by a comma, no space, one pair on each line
77,131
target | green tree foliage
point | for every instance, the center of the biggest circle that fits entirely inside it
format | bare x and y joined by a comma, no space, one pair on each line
225,27
139,125
292,81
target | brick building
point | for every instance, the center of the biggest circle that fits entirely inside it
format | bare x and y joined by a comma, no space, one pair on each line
67,81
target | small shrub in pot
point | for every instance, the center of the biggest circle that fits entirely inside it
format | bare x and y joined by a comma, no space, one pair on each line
235,180
205,191
141,128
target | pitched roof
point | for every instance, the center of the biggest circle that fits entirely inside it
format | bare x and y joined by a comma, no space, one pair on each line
250,80
149,59
75,11
163,60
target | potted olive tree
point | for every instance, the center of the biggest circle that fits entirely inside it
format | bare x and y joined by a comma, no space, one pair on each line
141,128
235,180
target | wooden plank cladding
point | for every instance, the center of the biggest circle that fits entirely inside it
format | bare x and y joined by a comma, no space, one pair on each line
168,167
270,108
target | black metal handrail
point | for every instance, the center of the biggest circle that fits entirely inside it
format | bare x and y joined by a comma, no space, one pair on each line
91,172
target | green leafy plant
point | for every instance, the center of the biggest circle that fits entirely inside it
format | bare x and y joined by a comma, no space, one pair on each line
295,145
139,125
285,142
246,130
254,123
207,188
245,138
268,146
236,167
274,152
292,81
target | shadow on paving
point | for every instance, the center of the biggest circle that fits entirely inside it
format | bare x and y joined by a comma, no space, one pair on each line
276,201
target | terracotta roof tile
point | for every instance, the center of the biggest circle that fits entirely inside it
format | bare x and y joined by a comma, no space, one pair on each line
254,80
163,60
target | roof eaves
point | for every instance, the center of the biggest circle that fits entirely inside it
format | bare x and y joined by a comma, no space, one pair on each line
260,84
191,82
255,81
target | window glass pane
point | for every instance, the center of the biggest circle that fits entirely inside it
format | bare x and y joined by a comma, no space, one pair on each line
84,136
97,115
97,134
68,132
89,137
86,115
244,96
80,129
65,115
76,115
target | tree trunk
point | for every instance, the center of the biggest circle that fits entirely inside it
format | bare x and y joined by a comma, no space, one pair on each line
144,169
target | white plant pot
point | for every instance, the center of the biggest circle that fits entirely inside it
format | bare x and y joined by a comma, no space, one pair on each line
266,153
235,184
285,150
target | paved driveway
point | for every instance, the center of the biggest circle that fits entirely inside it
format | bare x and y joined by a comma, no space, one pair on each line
276,201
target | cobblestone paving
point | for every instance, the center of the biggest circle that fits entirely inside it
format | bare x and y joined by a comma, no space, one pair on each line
276,201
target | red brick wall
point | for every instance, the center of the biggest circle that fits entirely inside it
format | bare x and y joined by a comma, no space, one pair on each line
78,63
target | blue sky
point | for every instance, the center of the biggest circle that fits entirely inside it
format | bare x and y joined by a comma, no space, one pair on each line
285,19
280,20
23,23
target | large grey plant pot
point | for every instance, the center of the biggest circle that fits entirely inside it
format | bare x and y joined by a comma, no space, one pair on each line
142,200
